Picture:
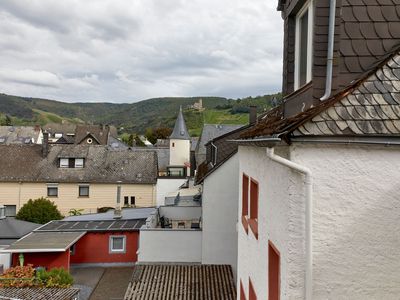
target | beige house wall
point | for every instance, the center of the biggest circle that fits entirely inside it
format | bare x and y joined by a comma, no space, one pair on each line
100,195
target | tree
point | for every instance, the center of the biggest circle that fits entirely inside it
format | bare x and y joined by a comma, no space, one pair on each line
131,140
40,211
139,142
153,134
8,121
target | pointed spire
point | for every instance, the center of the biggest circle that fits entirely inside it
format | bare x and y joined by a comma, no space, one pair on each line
180,131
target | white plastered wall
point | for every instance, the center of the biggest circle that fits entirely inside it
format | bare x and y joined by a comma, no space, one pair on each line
280,220
166,186
356,220
220,215
179,152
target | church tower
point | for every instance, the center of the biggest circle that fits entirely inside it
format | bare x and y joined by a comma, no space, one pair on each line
179,144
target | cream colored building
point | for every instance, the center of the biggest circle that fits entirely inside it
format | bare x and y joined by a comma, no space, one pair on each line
77,176
100,195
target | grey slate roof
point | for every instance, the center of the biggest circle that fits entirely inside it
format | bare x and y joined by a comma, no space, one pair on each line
180,131
210,132
373,108
45,242
162,155
193,143
19,134
12,229
102,164
64,129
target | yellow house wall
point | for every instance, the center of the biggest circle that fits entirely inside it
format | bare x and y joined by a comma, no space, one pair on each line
100,195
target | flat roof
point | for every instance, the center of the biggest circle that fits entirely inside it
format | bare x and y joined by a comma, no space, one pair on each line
170,282
45,242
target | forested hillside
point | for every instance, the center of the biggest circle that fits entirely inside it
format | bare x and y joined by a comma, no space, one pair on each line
132,117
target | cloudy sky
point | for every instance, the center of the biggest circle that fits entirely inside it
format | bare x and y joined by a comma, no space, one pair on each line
129,50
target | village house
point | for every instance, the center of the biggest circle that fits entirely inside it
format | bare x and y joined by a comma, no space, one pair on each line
11,230
20,135
318,205
103,239
76,176
83,134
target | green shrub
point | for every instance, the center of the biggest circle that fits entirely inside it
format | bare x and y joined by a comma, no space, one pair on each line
39,211
55,278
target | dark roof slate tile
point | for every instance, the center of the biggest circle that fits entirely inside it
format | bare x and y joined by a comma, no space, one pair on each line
369,106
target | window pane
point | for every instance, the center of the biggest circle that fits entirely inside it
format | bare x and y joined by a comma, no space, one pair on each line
126,200
133,200
245,195
253,200
52,191
78,162
83,191
117,243
64,163
303,55
10,210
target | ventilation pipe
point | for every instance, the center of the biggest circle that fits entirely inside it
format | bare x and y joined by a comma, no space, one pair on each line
117,210
331,42
308,217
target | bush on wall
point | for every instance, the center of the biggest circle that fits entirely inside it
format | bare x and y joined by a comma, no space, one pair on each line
39,211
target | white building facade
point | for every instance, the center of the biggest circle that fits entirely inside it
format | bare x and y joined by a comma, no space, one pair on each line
220,206
355,208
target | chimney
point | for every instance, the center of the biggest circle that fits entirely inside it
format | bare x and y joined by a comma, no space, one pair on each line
45,144
252,114
117,210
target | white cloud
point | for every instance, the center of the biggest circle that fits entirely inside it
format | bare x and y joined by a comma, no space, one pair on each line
31,77
124,51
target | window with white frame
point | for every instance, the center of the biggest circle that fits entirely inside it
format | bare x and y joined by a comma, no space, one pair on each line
64,162
79,162
52,190
84,190
303,45
117,244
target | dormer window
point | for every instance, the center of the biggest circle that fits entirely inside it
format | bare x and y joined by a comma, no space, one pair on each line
64,163
78,162
72,162
303,47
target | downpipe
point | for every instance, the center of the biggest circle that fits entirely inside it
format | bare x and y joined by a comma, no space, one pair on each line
329,57
308,182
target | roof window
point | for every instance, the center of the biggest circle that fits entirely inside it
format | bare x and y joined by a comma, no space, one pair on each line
303,45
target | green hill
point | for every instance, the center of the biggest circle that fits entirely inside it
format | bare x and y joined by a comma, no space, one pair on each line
132,117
